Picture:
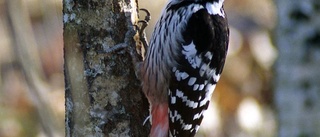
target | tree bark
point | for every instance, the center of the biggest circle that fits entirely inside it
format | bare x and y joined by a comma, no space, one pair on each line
103,96
297,71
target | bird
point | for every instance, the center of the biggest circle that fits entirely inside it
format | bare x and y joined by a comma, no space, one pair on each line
184,61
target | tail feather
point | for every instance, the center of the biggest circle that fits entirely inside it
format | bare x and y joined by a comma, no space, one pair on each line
160,120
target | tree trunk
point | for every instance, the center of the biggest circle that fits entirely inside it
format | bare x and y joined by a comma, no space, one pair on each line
297,82
102,96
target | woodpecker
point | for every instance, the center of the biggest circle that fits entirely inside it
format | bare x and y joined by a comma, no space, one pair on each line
183,64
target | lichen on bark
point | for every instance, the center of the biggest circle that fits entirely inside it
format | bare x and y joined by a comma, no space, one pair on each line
103,95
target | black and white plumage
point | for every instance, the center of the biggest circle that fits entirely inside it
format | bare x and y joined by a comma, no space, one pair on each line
183,65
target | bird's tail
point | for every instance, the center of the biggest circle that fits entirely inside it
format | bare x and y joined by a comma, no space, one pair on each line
160,120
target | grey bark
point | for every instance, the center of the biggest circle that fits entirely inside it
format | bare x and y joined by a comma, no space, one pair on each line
103,96
297,71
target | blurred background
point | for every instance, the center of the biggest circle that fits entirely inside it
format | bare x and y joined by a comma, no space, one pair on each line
32,83
31,68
